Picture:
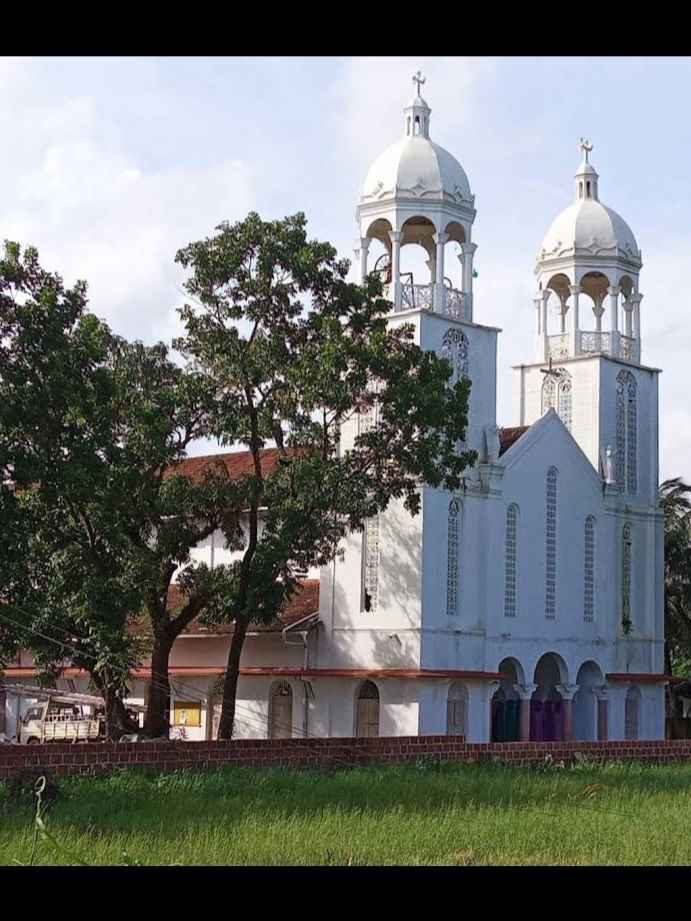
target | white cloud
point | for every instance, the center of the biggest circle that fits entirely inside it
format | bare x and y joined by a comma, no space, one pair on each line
74,186
95,213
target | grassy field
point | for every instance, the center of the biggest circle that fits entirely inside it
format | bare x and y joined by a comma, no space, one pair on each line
428,813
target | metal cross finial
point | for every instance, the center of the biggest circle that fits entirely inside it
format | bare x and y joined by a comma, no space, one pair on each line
549,371
586,148
419,79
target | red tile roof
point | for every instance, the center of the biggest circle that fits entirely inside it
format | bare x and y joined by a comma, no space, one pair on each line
304,602
509,436
236,463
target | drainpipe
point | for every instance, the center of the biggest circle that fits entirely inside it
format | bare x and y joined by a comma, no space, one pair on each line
286,632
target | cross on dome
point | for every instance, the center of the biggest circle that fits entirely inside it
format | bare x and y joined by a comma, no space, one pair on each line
417,111
585,147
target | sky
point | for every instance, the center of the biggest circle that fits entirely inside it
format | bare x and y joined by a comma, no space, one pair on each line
110,165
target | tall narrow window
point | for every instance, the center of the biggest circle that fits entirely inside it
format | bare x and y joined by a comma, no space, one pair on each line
589,570
564,404
454,348
370,537
551,543
549,393
370,568
452,558
556,394
510,551
627,449
626,544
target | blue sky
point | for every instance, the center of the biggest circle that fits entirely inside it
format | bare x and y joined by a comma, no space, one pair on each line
109,165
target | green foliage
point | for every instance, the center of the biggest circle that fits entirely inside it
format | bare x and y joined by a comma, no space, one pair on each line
279,349
56,420
675,501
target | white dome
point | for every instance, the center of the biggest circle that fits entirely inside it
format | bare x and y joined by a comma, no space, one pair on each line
590,228
418,166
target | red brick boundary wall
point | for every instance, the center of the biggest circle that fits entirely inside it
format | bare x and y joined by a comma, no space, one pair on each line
84,757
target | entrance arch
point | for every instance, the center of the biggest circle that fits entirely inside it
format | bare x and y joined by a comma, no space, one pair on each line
585,703
505,702
546,705
367,710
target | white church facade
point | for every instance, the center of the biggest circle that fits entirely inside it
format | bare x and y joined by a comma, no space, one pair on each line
529,605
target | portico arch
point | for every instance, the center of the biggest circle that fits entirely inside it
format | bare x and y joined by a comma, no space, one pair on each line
547,706
585,704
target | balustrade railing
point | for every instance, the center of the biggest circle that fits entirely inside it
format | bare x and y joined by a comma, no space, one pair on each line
594,342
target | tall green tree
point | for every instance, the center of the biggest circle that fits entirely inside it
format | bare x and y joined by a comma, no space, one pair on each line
166,513
98,516
675,501
56,417
293,352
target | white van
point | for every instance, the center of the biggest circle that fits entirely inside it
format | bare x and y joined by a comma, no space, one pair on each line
57,720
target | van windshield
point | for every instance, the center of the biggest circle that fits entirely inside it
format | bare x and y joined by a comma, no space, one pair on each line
33,713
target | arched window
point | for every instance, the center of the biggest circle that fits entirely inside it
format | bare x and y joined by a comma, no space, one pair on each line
627,449
280,711
452,548
589,570
626,607
367,710
551,543
510,554
632,713
556,394
457,710
370,564
454,348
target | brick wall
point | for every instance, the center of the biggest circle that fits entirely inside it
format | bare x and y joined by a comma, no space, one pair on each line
80,758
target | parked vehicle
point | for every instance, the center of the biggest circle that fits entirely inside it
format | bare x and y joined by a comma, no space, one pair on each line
52,715
58,719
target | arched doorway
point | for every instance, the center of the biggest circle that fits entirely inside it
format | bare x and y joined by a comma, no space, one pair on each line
367,710
457,710
585,703
505,703
546,705
632,714
280,711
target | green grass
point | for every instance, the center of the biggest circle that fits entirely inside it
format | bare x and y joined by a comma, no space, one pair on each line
428,813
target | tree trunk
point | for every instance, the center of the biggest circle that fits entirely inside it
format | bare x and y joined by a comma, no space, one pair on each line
677,730
118,719
157,719
230,684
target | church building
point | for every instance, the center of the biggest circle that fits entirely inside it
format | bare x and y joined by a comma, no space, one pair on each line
529,604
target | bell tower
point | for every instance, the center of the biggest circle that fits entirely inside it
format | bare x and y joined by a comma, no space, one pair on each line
587,363
417,193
